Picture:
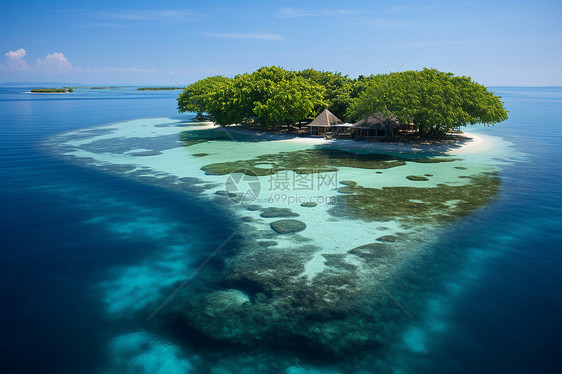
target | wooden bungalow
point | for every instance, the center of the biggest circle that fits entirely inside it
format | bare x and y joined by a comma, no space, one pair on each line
323,124
405,130
376,126
342,130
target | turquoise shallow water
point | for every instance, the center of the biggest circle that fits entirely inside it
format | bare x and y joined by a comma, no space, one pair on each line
81,247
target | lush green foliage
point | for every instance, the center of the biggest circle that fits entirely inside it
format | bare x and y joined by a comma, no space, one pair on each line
433,100
51,90
271,96
197,96
339,90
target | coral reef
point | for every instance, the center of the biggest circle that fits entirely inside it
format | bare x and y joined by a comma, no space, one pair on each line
416,178
278,213
288,226
307,161
416,205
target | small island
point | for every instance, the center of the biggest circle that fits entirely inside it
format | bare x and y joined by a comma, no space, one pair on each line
159,88
53,90
410,104
327,226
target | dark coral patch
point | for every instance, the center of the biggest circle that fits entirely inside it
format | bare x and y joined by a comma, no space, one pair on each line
288,226
416,178
278,213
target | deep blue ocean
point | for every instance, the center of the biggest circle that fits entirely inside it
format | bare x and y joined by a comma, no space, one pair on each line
56,248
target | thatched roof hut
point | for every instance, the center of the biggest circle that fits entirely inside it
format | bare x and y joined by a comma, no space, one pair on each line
325,119
323,123
376,125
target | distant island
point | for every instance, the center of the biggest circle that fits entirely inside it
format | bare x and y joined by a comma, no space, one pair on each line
53,90
103,88
158,88
424,104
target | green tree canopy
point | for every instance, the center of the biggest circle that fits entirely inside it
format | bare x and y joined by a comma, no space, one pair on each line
289,101
233,102
338,89
273,95
195,97
435,101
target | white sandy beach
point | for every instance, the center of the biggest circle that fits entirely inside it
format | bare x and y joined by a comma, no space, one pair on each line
468,143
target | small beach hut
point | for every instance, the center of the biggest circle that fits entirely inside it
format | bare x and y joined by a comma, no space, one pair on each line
322,124
376,126
342,130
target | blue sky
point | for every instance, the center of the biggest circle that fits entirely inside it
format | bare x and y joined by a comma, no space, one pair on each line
161,42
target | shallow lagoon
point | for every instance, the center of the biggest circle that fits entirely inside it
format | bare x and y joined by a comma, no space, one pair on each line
315,267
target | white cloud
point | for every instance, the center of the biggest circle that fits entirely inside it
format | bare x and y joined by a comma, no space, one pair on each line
57,63
15,60
89,69
54,62
254,36
126,17
295,13
152,15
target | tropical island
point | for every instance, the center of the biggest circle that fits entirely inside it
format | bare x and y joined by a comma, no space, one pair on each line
331,253
158,88
53,90
423,104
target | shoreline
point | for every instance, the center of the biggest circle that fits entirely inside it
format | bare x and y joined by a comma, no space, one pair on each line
477,144
467,143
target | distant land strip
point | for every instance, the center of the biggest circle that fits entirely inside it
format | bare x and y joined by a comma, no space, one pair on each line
53,90
158,88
